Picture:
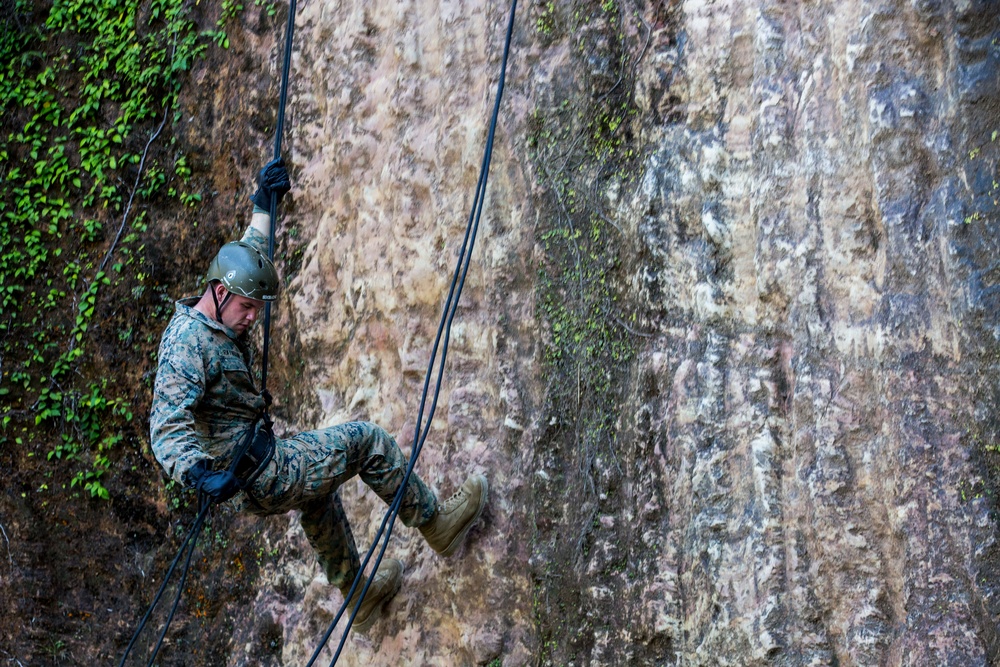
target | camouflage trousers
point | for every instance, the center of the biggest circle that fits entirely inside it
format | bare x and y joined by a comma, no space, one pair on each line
306,472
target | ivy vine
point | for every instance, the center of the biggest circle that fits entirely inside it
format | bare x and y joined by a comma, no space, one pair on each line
83,85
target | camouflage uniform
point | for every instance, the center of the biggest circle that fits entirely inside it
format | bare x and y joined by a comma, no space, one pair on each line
204,400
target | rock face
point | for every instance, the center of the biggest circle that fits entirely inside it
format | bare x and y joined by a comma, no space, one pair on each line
728,351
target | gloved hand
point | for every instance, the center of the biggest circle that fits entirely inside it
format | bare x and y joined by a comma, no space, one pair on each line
273,178
220,485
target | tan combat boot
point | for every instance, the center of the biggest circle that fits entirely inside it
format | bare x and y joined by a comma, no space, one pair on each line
385,585
455,517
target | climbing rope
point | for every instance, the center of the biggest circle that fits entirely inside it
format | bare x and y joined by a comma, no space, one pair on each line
205,503
191,537
444,329
188,544
279,131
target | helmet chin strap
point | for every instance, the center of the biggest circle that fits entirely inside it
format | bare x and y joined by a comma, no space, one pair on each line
219,306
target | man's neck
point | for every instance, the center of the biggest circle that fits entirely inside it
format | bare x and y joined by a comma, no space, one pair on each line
206,306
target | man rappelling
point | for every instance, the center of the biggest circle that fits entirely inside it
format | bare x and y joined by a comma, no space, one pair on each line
205,404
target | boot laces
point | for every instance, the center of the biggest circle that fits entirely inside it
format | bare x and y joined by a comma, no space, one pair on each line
456,500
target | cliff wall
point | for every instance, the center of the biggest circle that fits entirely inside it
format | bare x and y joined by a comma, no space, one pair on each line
728,350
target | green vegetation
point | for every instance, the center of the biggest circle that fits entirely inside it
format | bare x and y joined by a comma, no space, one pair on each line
230,10
86,86
581,150
992,193
545,21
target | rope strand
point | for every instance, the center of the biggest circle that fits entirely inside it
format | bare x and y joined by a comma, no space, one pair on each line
444,328
192,536
279,131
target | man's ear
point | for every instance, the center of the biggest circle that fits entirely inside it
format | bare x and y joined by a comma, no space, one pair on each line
220,291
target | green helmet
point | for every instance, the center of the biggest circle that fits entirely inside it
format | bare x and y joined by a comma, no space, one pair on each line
244,270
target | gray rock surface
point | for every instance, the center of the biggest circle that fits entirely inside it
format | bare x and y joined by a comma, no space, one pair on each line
729,347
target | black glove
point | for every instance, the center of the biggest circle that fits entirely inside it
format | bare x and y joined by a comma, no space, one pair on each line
273,178
220,485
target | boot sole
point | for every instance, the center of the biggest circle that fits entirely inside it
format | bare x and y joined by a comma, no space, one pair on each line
376,614
457,542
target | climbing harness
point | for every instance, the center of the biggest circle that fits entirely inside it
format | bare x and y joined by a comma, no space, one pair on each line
444,328
257,447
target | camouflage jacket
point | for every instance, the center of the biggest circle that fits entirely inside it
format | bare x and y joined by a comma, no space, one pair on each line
204,398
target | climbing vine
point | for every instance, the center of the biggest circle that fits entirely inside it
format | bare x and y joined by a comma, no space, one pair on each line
86,86
581,152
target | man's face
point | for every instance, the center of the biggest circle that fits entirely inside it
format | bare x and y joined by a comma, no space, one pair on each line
241,312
